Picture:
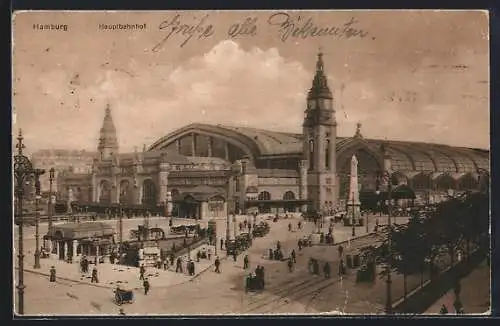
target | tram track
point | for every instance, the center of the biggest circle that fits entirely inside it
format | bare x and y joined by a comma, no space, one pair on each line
294,291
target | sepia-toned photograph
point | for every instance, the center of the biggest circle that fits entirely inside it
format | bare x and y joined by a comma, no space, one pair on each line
251,162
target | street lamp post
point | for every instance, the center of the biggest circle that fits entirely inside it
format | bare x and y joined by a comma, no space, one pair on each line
353,217
388,304
23,169
51,180
120,222
38,173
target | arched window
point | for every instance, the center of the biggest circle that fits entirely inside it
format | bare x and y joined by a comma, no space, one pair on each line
264,195
311,154
289,195
327,154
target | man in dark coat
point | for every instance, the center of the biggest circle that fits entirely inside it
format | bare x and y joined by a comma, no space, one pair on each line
217,264
142,270
146,286
52,277
178,267
299,244
292,255
326,270
94,278
245,262
221,243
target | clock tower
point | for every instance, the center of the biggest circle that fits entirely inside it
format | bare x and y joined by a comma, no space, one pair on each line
319,133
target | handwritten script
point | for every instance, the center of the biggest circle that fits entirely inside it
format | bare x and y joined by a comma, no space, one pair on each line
304,27
175,27
288,27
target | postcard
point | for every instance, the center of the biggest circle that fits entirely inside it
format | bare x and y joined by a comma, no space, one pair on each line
251,162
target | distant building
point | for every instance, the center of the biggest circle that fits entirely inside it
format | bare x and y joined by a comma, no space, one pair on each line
200,170
77,161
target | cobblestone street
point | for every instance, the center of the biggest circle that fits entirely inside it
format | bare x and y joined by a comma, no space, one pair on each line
174,293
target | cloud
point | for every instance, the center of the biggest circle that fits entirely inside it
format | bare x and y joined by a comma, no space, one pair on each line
231,85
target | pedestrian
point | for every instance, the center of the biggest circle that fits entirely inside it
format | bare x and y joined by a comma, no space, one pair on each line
240,225
221,243
278,245
315,267
172,258
190,267
234,255
341,251
52,277
146,286
292,255
245,262
209,253
290,265
341,268
178,267
94,278
217,264
289,227
299,225
270,254
198,255
142,270
326,270
299,244
165,264
310,265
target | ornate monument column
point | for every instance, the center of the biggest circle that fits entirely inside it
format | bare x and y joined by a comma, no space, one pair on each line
353,205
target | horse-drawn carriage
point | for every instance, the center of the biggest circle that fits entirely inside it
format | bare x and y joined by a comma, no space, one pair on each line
253,283
123,296
261,229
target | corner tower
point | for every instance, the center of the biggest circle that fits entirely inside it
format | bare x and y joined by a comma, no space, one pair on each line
108,144
319,133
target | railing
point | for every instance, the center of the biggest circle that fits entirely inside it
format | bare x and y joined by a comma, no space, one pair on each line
423,297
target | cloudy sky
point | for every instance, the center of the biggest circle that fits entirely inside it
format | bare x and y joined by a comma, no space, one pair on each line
420,76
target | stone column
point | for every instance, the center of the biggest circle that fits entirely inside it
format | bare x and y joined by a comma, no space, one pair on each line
163,182
75,246
178,146
204,210
50,246
65,248
138,194
209,146
303,166
170,204
193,144
95,186
226,151
58,249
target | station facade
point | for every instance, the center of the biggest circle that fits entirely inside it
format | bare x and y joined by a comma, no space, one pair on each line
205,170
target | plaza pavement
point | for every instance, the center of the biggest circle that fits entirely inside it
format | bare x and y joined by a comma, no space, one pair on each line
171,293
